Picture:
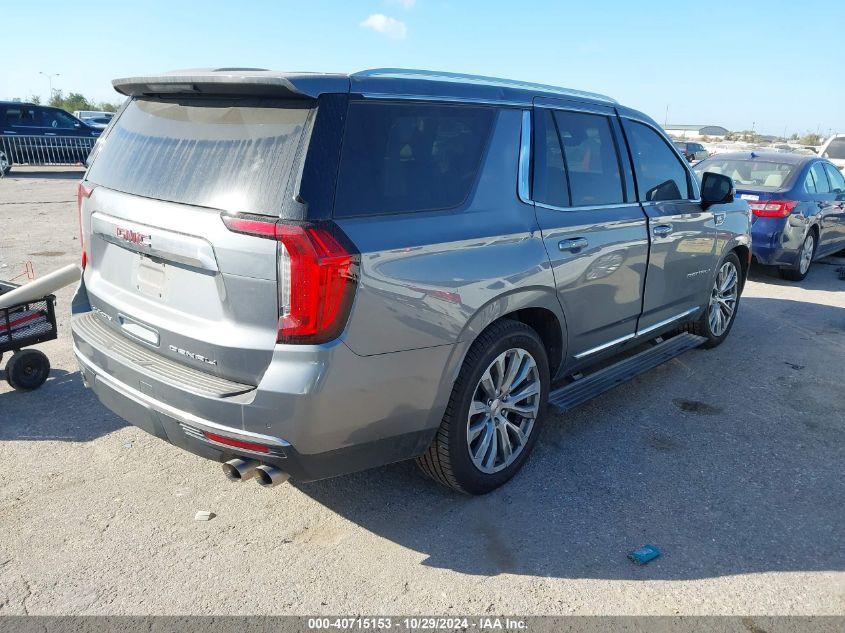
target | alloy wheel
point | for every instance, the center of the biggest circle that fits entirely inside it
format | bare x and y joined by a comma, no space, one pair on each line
723,299
806,256
504,407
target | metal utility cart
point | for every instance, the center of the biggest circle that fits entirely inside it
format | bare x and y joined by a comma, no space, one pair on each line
22,325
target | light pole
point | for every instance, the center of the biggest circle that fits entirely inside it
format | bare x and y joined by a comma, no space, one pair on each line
49,77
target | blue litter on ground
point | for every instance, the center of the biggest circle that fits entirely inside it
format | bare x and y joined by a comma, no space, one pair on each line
645,554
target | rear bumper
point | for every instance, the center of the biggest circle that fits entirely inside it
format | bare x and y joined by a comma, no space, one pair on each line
321,411
777,241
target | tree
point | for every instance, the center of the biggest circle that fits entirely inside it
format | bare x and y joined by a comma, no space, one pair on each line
35,99
810,139
77,101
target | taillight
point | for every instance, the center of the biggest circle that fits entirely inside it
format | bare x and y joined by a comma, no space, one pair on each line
83,192
772,208
317,276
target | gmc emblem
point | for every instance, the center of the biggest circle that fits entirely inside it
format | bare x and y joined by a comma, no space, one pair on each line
133,237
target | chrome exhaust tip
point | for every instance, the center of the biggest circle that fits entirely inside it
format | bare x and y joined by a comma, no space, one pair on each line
270,476
240,469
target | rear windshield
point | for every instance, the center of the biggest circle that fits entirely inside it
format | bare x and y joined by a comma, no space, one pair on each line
228,155
405,157
748,173
836,149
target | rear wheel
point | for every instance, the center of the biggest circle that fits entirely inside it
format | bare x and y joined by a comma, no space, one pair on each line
27,369
805,258
716,321
494,413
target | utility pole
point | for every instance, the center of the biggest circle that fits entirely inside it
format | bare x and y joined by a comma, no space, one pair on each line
49,77
666,118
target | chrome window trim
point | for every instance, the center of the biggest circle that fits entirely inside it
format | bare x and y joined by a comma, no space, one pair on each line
593,207
637,334
599,110
383,96
523,184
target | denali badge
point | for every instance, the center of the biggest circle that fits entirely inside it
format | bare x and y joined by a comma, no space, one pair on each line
133,237
191,355
101,313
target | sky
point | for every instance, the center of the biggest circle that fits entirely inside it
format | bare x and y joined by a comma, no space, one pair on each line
776,65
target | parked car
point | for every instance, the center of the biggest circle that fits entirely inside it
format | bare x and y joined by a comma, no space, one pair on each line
310,275
834,150
692,151
36,134
84,115
100,122
798,203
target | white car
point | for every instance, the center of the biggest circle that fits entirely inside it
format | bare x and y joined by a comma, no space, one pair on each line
834,150
94,118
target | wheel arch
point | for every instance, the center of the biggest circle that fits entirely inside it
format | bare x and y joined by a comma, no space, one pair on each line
537,307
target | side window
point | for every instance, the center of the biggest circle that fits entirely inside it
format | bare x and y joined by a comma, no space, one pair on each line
550,186
58,119
660,174
810,182
412,157
590,157
23,116
822,186
837,180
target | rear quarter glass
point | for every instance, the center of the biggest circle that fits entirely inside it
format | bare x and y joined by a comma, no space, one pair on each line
414,157
233,155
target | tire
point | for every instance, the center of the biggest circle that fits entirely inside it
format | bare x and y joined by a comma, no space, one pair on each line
5,162
448,460
713,330
805,259
27,369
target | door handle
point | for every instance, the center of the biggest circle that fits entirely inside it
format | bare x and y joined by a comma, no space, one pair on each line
573,245
662,230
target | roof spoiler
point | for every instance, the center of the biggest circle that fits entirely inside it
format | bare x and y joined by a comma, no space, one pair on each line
233,82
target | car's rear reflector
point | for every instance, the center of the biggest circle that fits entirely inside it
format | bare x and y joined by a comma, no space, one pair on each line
235,443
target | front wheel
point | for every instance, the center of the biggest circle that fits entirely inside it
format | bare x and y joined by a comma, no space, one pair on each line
805,258
494,413
716,321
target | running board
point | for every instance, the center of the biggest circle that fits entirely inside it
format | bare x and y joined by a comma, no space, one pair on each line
587,388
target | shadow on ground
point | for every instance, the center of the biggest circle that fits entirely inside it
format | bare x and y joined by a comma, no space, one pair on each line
60,410
770,274
34,174
730,462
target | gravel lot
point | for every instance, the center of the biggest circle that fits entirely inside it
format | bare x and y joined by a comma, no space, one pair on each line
731,461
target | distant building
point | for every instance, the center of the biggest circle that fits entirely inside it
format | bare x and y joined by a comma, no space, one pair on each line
697,131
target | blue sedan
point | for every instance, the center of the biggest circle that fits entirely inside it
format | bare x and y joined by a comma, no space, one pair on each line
798,206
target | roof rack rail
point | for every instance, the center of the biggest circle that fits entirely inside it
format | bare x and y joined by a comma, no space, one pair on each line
433,75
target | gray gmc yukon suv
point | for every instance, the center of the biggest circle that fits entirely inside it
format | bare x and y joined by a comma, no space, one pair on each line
311,274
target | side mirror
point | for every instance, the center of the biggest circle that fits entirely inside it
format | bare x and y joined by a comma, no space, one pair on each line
716,189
